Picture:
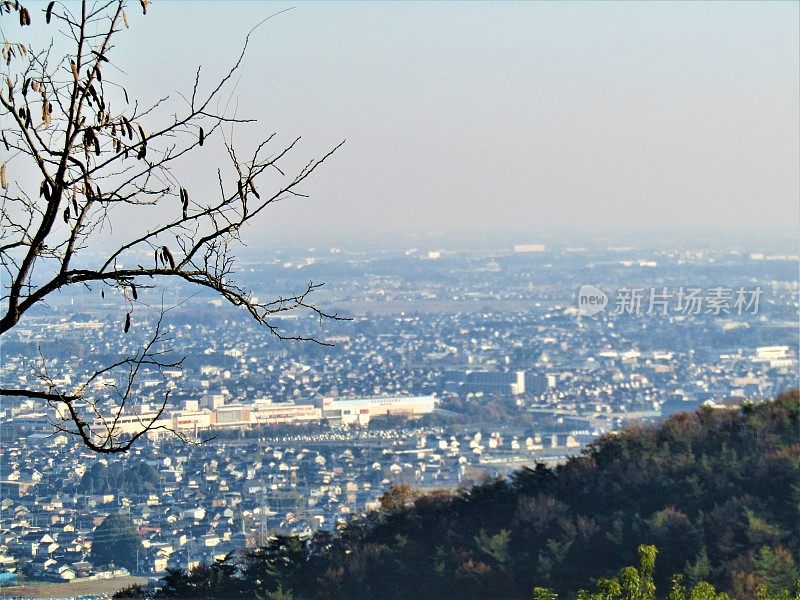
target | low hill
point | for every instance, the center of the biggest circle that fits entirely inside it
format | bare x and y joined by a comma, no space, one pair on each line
716,492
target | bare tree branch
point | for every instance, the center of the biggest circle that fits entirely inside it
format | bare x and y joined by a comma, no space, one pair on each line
57,119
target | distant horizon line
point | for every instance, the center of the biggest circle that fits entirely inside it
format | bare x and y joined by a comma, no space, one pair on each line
754,239
524,236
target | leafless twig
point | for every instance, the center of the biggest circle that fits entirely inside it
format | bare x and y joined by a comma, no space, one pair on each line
58,122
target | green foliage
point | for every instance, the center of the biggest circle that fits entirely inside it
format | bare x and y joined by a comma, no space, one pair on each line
134,590
495,546
705,591
115,541
763,593
279,594
540,593
636,584
699,569
646,589
631,584
218,580
121,478
776,568
608,589
677,590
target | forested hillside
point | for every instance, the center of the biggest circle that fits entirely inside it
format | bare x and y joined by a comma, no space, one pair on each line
716,492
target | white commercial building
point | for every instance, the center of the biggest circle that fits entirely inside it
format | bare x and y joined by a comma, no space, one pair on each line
266,412
361,410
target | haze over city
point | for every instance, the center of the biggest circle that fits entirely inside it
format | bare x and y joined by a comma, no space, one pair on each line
528,117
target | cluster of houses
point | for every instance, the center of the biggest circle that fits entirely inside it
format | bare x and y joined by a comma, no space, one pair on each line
210,500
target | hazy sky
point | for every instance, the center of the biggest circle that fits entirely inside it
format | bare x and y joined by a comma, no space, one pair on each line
531,116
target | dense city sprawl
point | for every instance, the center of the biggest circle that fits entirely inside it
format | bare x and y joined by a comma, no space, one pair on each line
451,366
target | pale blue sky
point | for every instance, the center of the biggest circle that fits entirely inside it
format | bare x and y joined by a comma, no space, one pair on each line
526,116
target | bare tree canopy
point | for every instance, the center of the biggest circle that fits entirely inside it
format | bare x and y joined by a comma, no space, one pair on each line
72,166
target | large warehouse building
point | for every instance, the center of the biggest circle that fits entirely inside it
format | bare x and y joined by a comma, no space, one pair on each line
361,410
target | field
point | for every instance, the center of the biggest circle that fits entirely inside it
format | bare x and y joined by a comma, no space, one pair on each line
69,589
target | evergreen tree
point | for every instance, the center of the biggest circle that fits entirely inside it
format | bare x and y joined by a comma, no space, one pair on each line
116,542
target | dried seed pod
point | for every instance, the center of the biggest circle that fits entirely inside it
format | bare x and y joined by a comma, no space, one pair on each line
125,19
66,215
49,13
144,4
74,68
133,291
253,187
46,110
127,326
93,93
202,137
185,202
168,257
3,176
